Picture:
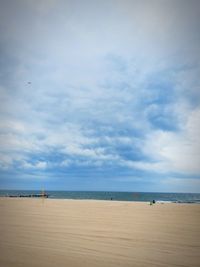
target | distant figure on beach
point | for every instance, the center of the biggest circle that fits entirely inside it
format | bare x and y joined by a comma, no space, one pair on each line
111,198
152,202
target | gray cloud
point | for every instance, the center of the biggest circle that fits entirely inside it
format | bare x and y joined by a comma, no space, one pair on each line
101,73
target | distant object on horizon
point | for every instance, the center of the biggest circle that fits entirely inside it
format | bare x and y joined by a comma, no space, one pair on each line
42,195
29,82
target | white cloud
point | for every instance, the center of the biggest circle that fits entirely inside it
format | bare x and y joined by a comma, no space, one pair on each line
176,151
93,69
39,165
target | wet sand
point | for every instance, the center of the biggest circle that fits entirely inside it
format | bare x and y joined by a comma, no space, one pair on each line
87,233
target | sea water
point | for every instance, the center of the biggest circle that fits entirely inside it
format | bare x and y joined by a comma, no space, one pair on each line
108,195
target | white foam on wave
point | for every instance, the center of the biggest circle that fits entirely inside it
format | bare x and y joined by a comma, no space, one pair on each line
163,201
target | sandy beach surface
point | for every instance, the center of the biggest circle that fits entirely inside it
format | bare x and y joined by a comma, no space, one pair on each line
87,233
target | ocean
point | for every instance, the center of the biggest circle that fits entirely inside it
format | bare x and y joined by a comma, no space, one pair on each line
117,196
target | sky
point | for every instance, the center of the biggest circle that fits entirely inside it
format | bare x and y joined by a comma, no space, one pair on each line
100,95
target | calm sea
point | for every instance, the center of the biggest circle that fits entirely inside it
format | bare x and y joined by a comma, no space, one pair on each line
120,196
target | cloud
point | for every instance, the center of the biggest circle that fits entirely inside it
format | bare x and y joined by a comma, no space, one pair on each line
177,151
40,165
114,86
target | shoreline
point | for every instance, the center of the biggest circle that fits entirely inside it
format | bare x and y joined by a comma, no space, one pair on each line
162,202
107,195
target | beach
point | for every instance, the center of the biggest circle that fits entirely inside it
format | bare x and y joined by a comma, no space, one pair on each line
91,233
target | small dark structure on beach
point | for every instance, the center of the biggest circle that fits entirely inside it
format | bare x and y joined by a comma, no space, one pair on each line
42,195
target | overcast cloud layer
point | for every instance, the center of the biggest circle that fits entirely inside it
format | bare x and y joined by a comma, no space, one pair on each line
100,95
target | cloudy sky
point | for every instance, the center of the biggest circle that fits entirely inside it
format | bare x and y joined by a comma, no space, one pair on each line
100,95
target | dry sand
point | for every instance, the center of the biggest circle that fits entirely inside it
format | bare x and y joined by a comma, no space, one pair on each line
74,233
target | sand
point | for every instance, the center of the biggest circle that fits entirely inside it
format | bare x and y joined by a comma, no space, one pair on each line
85,233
